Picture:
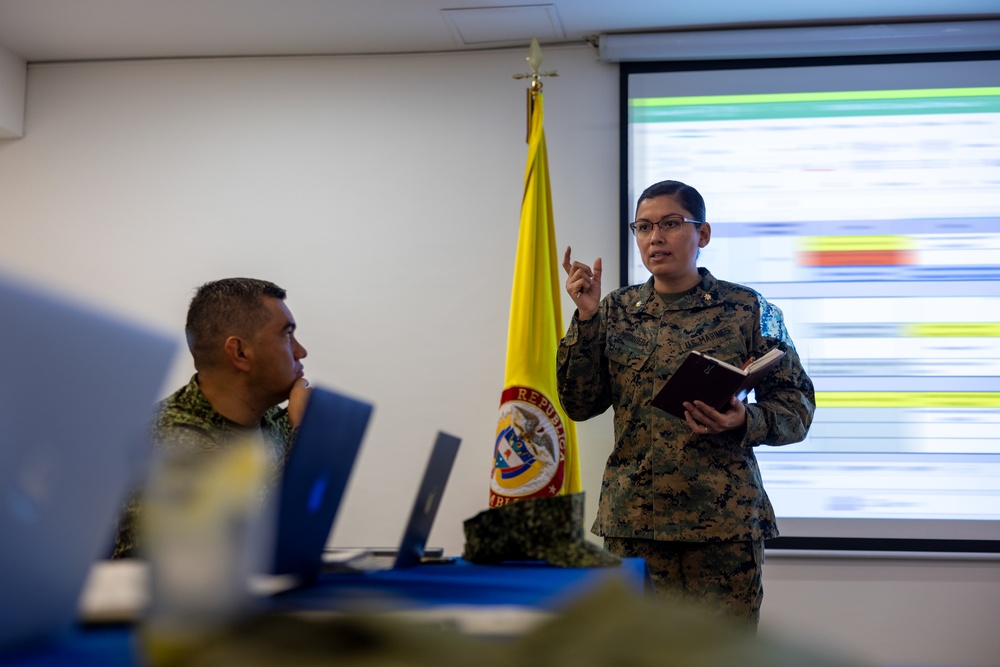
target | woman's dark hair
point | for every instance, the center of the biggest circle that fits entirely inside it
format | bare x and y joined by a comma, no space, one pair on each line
689,198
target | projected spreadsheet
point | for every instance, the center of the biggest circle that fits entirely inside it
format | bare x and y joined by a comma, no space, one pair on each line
873,220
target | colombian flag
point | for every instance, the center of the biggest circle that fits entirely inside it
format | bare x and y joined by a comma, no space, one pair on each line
535,453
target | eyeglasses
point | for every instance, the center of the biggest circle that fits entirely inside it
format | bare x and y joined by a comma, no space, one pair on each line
669,223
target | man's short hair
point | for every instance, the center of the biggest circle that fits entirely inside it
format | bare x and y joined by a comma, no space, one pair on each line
223,308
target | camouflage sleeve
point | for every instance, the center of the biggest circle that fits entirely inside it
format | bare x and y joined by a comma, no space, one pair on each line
126,540
284,433
582,374
785,399
280,432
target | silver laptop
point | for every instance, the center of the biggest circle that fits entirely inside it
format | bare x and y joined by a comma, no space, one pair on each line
77,388
413,547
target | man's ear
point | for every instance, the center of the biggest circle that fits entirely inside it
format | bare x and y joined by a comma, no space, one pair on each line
237,353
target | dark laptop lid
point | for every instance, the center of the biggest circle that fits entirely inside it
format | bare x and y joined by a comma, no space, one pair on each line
77,389
425,507
315,478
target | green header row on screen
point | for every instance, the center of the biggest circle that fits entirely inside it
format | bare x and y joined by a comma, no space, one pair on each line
815,105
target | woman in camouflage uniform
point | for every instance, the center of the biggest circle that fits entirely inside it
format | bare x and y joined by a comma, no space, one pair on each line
686,495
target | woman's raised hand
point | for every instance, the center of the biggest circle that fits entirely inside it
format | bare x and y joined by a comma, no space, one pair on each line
583,285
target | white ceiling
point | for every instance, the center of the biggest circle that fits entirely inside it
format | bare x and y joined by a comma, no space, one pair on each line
61,30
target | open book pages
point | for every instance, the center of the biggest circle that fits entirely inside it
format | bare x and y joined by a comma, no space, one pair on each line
772,355
714,382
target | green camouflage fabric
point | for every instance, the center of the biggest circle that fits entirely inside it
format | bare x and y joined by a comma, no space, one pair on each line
725,578
186,425
547,529
606,625
662,481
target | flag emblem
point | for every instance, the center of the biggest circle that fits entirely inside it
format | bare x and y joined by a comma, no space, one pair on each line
530,449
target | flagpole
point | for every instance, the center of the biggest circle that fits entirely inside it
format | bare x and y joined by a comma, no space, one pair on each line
534,59
534,451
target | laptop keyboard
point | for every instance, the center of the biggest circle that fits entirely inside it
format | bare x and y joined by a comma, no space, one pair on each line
358,560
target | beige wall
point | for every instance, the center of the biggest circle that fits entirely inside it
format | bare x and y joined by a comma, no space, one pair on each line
383,193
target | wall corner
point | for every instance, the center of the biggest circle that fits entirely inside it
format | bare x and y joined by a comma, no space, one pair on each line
13,85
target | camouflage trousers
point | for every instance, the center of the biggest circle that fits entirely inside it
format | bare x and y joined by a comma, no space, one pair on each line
725,576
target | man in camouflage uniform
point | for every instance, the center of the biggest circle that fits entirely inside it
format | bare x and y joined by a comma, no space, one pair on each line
242,338
686,495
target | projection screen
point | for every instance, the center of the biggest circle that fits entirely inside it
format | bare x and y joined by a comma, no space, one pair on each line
861,196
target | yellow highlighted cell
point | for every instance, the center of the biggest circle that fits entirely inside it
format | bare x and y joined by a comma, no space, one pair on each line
908,399
951,330
855,243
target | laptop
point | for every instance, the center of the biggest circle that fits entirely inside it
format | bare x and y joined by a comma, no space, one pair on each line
77,388
314,480
296,524
413,547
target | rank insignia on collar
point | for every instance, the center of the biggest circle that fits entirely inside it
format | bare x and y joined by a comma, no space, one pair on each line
707,298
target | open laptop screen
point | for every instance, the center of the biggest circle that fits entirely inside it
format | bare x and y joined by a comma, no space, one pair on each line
315,478
77,388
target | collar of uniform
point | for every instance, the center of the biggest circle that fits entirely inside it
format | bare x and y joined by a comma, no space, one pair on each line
705,293
646,301
197,401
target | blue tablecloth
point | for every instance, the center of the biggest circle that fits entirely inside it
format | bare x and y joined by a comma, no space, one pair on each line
529,584
534,585
91,647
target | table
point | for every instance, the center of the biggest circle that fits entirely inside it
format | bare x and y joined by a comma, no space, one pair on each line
530,585
534,584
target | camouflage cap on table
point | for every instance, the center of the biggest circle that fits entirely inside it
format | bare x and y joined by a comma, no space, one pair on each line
548,529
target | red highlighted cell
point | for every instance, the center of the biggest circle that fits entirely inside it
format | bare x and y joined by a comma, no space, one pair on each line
856,258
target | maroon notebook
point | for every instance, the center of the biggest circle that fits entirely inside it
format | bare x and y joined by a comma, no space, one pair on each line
704,378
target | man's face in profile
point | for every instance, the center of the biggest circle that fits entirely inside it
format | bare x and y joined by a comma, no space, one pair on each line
276,354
